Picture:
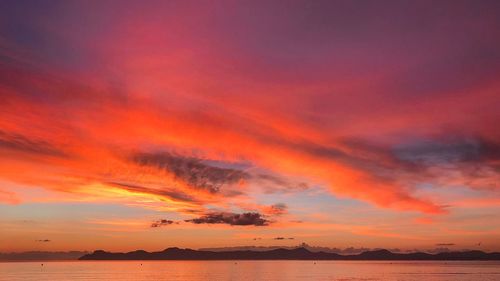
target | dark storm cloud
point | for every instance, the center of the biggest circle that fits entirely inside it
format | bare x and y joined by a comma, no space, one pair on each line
192,170
16,142
231,219
162,222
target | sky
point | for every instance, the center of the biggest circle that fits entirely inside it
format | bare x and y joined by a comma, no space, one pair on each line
148,124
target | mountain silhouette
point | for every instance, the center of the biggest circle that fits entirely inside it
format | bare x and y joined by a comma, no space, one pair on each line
284,254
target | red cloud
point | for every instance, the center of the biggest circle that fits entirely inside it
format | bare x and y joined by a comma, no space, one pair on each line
152,97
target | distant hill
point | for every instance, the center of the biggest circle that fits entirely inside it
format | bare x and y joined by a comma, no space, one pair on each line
40,255
284,254
341,251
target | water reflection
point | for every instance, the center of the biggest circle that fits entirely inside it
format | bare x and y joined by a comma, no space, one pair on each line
250,270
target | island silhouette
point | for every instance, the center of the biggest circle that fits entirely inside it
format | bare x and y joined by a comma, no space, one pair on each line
286,254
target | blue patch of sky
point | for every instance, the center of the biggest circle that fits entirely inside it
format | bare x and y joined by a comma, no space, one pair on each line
71,211
315,199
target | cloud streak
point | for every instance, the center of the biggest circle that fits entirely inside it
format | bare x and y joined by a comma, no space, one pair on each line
19,143
283,238
43,240
243,219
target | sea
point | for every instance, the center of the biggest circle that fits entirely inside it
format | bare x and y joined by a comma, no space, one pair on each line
251,270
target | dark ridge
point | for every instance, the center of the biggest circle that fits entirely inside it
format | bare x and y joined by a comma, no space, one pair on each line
284,254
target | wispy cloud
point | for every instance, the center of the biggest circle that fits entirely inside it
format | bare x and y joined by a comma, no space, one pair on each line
276,209
20,143
192,170
162,222
9,197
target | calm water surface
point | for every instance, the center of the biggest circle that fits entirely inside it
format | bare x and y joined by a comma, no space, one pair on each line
250,270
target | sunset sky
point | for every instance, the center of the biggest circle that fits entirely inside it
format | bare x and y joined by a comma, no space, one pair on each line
148,124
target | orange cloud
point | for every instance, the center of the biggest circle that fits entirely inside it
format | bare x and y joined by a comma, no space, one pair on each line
80,137
167,117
